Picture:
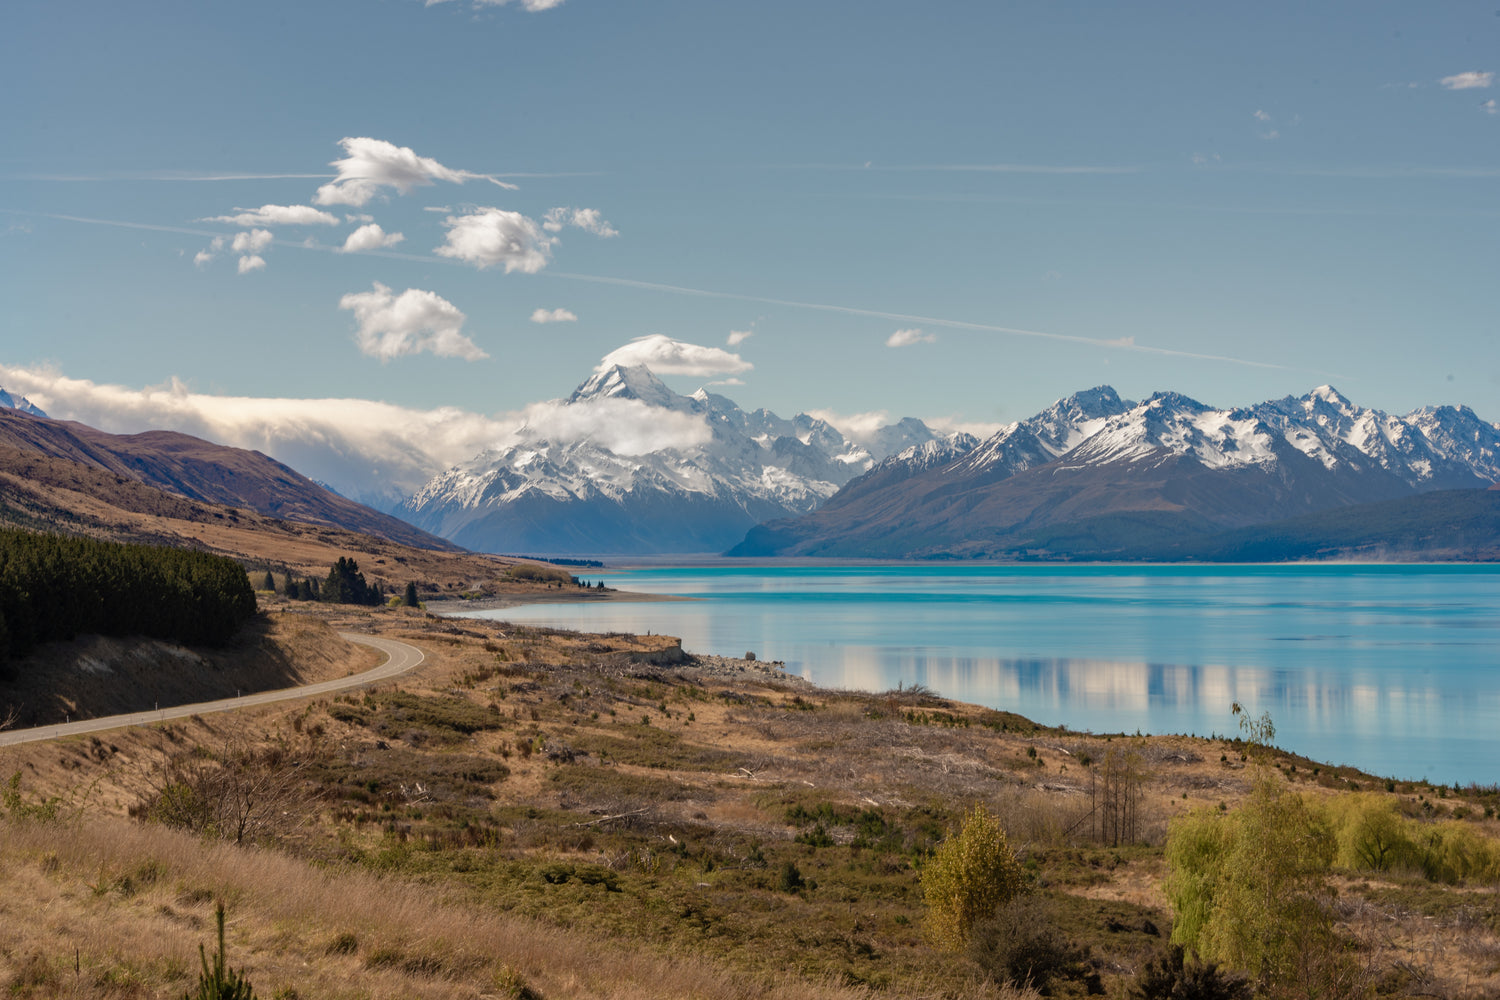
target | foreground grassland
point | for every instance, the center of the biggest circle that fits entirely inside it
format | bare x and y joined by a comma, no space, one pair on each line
545,814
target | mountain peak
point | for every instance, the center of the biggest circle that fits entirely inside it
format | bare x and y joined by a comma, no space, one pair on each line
1100,401
1173,400
19,403
627,382
1328,394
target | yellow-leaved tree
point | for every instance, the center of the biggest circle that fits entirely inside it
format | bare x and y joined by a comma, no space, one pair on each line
969,877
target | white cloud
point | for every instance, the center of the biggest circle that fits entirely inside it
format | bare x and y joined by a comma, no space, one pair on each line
368,450
1270,134
905,338
252,262
414,321
587,219
364,449
858,427
624,426
1489,107
358,217
491,236
252,242
666,356
553,316
1468,81
202,258
728,381
372,164
370,237
737,337
277,215
1261,116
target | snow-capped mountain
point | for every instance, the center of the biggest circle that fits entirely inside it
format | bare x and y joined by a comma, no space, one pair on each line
19,403
1094,473
559,489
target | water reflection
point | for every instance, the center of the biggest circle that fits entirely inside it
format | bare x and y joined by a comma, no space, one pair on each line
1391,669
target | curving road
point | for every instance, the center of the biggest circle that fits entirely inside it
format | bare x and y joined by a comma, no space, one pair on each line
400,658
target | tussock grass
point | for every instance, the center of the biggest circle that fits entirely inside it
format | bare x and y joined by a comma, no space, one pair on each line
322,932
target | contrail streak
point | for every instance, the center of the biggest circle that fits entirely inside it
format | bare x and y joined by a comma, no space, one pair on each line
1124,344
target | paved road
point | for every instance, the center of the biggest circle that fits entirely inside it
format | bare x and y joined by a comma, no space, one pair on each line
399,658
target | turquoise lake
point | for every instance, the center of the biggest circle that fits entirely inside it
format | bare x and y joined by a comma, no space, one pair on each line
1394,669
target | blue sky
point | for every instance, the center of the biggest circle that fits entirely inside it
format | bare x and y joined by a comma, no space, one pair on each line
1234,202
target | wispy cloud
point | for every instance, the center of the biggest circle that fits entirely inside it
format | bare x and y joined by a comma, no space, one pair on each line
738,337
373,164
391,326
907,337
553,316
362,447
1468,81
666,356
858,427
587,219
277,215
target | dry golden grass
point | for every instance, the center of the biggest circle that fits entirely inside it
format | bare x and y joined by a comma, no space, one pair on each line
671,780
112,908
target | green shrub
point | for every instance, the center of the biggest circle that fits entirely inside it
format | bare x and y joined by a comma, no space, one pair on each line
968,879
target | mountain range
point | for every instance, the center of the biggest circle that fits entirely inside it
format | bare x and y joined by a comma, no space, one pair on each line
625,465
1096,476
575,495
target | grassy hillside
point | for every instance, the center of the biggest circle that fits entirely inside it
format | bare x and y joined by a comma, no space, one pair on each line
535,813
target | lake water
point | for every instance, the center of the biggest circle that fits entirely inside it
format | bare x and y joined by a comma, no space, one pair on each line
1394,669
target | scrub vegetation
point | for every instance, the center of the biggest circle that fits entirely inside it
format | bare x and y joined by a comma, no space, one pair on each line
553,814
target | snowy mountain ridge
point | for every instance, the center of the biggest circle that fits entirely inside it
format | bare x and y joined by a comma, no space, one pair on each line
544,493
1430,445
1096,476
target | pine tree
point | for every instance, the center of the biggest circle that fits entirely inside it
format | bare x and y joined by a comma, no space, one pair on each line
269,583
410,598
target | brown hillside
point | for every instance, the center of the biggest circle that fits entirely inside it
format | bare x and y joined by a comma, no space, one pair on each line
195,469
49,493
